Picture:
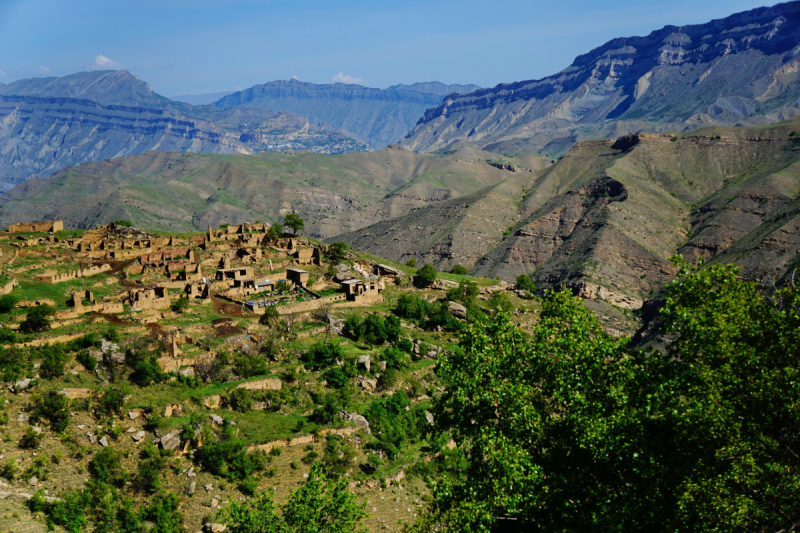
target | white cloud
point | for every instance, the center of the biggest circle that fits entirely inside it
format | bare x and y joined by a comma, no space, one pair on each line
101,62
3,73
344,78
43,70
294,77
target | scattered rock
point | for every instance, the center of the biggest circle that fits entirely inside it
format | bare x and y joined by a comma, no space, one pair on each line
92,437
22,384
191,473
22,417
369,384
172,440
173,409
138,436
365,361
210,527
429,417
104,441
215,504
357,418
192,487
457,310
382,366
133,415
209,487
212,402
217,420
33,481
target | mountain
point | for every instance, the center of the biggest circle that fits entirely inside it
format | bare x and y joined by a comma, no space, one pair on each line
199,99
740,70
47,124
610,214
377,116
186,192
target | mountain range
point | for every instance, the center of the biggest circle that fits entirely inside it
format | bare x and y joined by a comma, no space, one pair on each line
377,116
740,70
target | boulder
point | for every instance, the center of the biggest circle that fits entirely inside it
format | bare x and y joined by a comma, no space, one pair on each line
33,481
382,366
365,361
213,401
217,420
172,440
22,417
192,487
22,384
357,418
138,436
429,417
191,473
104,441
457,310
173,409
369,384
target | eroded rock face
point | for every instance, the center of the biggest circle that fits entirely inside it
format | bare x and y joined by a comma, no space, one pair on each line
171,441
361,421
457,310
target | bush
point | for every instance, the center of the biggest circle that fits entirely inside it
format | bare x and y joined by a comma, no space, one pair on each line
163,511
459,270
147,370
397,358
322,355
36,320
248,366
180,304
240,400
124,223
339,376
111,402
411,307
54,360
275,231
106,467
425,275
228,457
69,511
524,283
7,303
500,302
151,465
88,362
54,408
337,252
9,470
390,379
31,440
412,263
270,316
391,424
8,336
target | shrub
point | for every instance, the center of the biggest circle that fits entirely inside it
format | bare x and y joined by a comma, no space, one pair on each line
395,357
163,511
270,316
459,270
54,360
31,440
390,379
151,465
499,301
54,408
425,275
228,457
339,376
180,304
412,263
36,320
337,252
111,402
106,467
248,366
7,303
240,400
7,336
9,470
524,283
88,362
124,223
147,370
411,307
275,231
322,355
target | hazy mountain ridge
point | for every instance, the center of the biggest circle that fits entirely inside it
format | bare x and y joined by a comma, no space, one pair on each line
377,116
742,69
50,123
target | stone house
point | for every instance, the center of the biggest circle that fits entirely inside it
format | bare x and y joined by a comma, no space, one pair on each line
49,226
149,298
297,276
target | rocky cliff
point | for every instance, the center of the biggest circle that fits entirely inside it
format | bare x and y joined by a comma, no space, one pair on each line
377,116
744,69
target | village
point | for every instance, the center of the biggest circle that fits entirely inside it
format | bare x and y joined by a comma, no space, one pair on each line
227,319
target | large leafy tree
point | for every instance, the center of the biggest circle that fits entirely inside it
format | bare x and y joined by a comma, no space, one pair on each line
568,430
294,221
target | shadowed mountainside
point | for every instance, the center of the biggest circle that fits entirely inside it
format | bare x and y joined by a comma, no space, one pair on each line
610,213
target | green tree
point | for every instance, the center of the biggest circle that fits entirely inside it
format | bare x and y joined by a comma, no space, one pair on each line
54,360
322,355
412,262
270,317
256,516
459,270
425,275
337,252
180,304
7,303
524,283
294,221
275,231
54,408
324,504
36,320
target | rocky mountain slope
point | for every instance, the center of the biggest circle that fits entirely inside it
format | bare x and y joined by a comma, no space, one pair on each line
47,124
610,214
182,192
377,116
740,70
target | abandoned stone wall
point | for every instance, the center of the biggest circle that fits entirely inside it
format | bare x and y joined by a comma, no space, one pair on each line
26,227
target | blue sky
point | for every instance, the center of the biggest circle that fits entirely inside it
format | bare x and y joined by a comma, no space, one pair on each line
196,46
